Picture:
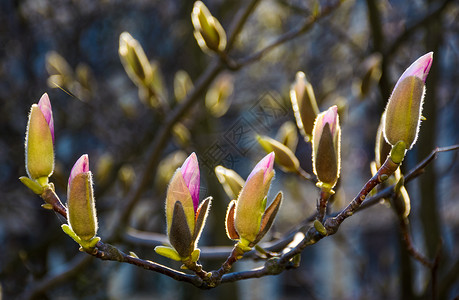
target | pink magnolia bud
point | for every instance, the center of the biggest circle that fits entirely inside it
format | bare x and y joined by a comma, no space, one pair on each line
81,208
326,147
45,106
184,216
266,164
191,175
403,110
247,217
80,166
40,141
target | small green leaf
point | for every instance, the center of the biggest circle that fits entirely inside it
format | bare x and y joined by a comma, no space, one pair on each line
32,185
168,252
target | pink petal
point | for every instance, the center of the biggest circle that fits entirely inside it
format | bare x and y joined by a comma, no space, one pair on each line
266,164
45,106
81,166
191,175
420,68
331,117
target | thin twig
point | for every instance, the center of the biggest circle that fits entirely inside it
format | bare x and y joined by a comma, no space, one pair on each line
288,36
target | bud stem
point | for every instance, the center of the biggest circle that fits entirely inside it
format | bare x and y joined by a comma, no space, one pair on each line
322,203
387,169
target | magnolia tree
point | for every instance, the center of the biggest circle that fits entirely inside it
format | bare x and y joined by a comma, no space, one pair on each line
251,214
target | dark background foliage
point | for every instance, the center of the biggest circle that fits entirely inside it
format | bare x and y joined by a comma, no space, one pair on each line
105,119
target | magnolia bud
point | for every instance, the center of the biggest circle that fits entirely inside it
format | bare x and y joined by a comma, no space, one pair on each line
326,147
230,180
218,96
81,208
304,105
247,219
185,217
208,32
182,85
134,60
284,156
287,135
403,110
39,141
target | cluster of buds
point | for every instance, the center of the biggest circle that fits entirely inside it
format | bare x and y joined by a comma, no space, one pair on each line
39,158
185,217
208,31
247,218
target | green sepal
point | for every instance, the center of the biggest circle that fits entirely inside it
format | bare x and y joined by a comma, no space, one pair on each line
32,185
243,244
397,154
87,245
47,206
195,255
168,252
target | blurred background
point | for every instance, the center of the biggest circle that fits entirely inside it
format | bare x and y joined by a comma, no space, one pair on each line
352,58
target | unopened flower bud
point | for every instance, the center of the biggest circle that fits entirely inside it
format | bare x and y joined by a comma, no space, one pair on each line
218,96
403,110
287,135
247,218
80,201
134,60
208,32
304,105
39,141
230,180
326,147
182,85
284,156
184,215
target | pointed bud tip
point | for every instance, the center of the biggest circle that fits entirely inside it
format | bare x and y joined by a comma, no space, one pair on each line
420,68
191,175
45,106
80,166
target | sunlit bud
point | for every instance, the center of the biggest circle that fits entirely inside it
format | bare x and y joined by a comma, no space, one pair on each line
403,110
326,147
287,135
39,141
80,201
285,158
230,180
185,217
134,60
59,70
182,85
104,168
304,105
181,134
218,96
208,32
247,218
